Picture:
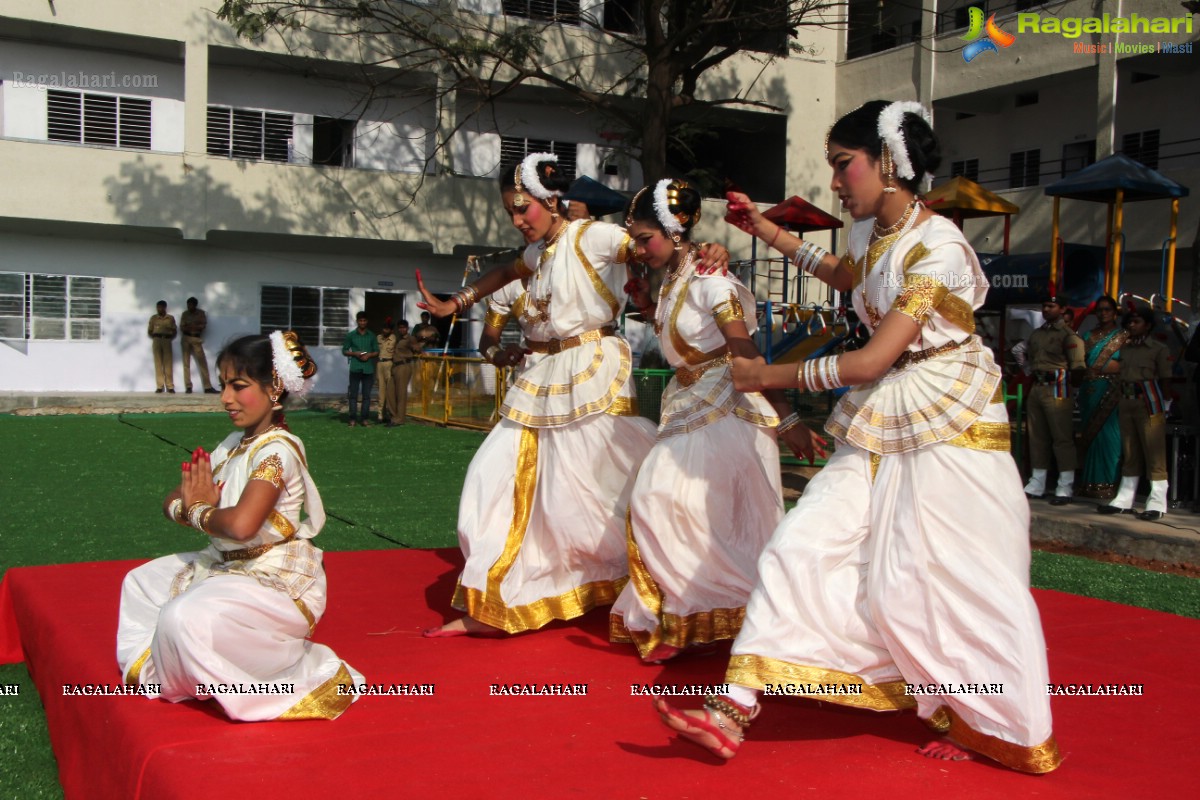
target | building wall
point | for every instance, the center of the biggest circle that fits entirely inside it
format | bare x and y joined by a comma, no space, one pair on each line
226,280
29,69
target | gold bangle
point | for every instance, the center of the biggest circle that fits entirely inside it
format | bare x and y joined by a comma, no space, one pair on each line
198,514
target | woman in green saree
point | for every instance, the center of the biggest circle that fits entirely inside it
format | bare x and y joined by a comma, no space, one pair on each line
1097,398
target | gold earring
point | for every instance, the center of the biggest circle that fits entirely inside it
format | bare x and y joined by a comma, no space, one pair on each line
888,168
678,244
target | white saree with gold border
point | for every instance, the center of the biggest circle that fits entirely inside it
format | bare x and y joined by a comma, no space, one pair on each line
906,562
542,517
236,630
708,495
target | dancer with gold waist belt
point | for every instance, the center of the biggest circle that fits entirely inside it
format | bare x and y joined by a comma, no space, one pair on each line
708,495
542,515
906,561
240,612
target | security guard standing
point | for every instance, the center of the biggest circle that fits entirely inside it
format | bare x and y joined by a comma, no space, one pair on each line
193,321
387,395
162,330
1143,415
1056,355
403,358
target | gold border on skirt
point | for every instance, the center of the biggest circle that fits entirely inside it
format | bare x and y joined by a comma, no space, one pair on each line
757,671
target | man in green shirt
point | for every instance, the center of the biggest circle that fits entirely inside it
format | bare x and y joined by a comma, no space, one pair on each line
361,348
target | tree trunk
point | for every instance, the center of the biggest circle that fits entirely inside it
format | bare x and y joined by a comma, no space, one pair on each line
659,99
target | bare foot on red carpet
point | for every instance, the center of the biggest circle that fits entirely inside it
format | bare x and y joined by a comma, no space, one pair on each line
946,750
712,730
463,626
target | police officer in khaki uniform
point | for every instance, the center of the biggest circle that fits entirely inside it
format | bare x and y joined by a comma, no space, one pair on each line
192,322
387,399
1056,356
403,358
161,331
1143,415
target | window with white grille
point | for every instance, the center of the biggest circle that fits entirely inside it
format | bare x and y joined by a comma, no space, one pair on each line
49,307
1024,168
1142,146
968,168
513,150
321,316
250,135
564,11
99,119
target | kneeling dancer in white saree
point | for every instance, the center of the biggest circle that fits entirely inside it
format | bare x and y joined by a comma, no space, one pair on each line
901,578
708,495
232,622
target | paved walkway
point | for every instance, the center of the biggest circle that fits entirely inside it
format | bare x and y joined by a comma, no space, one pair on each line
1175,539
31,404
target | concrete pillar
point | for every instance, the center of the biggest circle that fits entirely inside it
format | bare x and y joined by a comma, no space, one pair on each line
195,137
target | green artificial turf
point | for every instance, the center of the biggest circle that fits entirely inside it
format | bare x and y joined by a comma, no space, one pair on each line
27,766
90,488
1119,583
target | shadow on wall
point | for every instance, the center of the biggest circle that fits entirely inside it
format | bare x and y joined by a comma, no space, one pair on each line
337,216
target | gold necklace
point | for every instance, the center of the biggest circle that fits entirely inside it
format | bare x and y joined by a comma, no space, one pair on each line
909,211
537,309
661,313
549,245
893,233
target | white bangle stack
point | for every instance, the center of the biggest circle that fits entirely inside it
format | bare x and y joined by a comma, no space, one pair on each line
787,423
198,514
820,374
175,512
808,257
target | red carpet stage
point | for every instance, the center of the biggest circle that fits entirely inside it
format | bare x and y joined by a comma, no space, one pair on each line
463,742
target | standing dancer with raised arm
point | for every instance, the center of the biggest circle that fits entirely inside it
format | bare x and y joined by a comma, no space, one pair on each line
542,516
693,561
906,562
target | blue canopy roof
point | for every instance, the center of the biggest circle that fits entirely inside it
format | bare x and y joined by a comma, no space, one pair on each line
1099,182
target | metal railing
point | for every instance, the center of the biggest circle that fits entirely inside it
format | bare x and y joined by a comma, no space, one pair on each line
468,392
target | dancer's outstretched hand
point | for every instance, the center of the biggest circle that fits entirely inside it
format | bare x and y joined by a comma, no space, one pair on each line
804,442
742,213
436,307
510,355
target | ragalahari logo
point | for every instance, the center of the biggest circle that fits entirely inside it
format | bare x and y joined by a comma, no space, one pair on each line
994,36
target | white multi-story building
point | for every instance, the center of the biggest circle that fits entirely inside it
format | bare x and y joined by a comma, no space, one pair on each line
148,154
1068,90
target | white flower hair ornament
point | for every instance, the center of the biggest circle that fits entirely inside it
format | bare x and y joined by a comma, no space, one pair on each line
527,179
891,131
291,362
666,192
